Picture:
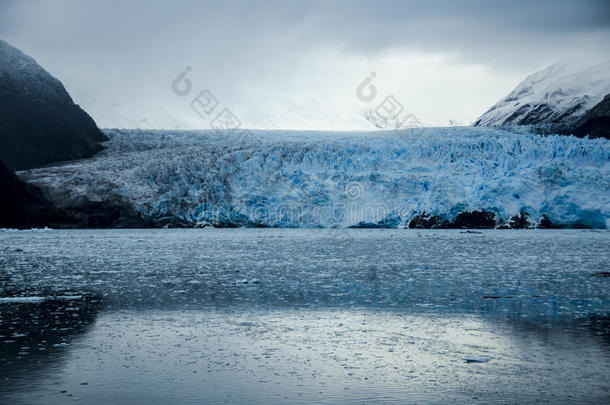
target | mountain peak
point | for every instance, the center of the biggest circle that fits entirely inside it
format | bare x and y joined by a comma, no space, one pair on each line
556,98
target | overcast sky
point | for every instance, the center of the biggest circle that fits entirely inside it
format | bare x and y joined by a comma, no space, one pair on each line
282,64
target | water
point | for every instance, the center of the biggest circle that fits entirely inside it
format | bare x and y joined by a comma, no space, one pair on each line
304,316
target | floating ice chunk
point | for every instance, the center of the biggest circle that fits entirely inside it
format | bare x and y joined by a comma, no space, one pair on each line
37,299
246,281
22,300
45,229
62,344
477,359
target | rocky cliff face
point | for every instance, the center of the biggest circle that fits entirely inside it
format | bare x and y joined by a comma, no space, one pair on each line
556,99
39,122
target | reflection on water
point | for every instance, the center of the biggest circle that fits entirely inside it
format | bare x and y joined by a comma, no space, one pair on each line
35,334
325,356
282,316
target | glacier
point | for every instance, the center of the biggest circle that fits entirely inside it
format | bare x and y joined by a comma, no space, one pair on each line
339,179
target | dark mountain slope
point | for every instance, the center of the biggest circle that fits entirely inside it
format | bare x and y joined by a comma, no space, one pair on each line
596,123
23,205
39,122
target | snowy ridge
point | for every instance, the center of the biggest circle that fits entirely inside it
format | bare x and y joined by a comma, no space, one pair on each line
557,96
324,179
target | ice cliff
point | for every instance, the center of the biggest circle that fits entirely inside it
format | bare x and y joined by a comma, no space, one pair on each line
323,179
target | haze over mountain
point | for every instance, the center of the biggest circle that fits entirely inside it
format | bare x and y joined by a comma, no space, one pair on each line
297,64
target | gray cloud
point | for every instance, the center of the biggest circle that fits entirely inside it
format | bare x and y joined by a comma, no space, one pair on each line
127,51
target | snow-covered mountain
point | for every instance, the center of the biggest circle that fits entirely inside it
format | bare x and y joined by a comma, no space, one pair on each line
555,98
39,122
321,179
